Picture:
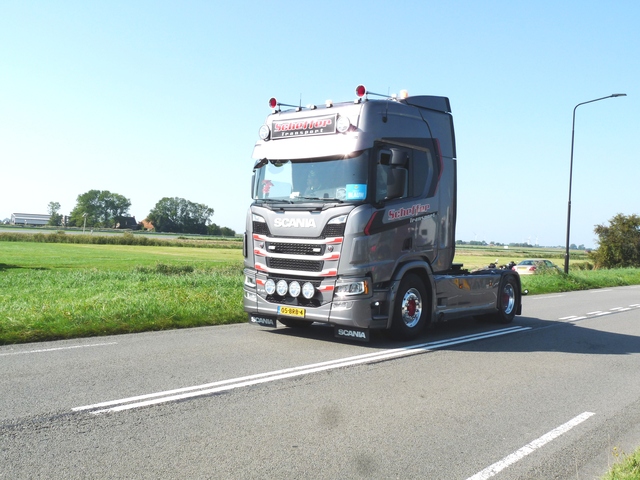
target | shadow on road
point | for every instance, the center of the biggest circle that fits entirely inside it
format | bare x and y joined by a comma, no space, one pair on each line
543,336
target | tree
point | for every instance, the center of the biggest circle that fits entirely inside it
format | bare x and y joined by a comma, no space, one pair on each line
100,207
177,215
55,218
216,230
619,243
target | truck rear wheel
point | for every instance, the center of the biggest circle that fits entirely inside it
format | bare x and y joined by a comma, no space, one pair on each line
508,299
410,311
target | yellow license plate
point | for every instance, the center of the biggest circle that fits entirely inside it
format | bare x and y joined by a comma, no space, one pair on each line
291,311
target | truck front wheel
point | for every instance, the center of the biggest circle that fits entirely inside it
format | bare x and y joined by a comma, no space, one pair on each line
508,299
411,310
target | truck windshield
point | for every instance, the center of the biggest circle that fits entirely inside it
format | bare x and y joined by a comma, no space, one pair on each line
324,179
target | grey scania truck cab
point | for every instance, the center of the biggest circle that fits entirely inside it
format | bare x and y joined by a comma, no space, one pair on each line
352,221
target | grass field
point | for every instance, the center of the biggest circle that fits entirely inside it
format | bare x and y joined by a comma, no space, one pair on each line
64,290
54,291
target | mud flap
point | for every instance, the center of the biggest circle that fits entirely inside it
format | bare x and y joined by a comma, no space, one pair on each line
351,333
264,321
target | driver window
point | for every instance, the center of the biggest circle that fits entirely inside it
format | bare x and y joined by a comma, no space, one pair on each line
391,180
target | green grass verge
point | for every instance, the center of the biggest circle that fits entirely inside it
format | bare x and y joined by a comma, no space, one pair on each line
52,291
627,468
580,280
45,305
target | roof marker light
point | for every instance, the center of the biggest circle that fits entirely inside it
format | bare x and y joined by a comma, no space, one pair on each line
403,94
328,103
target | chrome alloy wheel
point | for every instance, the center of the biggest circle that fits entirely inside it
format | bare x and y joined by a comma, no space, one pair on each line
411,308
508,299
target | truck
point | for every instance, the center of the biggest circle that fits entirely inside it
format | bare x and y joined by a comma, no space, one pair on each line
352,221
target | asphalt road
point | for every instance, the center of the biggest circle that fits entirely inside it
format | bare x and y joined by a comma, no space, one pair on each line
549,396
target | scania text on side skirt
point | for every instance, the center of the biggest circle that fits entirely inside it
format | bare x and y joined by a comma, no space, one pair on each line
353,219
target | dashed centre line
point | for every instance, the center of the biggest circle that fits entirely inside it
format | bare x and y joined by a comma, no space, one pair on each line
44,350
599,313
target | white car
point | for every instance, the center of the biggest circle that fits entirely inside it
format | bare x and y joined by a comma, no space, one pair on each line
536,265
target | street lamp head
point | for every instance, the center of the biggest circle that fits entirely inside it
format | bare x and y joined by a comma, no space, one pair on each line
619,95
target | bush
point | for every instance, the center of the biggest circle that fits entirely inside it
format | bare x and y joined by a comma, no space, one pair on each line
619,243
582,266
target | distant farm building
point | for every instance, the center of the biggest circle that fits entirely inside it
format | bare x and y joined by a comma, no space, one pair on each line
147,225
29,219
126,222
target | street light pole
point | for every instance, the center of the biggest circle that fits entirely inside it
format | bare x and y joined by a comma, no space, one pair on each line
573,128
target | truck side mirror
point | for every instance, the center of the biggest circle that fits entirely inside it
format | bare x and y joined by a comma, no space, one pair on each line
399,158
397,183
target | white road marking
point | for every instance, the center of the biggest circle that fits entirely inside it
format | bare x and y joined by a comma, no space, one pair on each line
544,297
530,448
226,385
599,313
25,352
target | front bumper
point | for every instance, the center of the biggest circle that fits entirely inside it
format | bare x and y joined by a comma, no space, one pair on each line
367,310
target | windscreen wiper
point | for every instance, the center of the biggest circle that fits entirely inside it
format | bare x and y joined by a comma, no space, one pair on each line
274,200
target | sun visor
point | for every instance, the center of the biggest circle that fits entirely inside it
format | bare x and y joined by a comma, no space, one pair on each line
311,147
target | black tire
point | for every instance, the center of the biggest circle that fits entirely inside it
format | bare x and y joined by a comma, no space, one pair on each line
508,300
295,323
411,309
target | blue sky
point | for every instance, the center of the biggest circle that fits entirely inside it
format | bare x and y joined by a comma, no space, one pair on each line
153,99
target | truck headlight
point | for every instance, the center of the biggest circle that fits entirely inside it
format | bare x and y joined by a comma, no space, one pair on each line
360,287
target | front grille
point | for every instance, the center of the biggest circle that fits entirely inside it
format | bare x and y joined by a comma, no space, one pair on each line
333,230
293,264
295,248
261,228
